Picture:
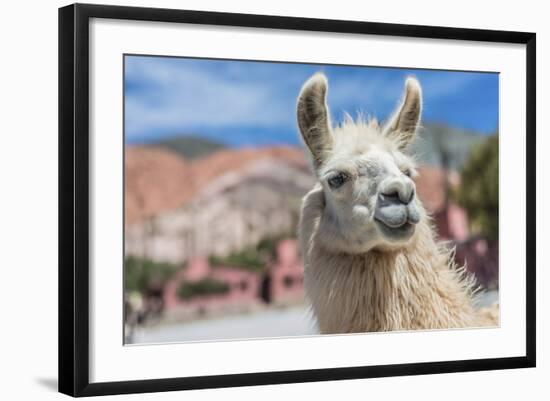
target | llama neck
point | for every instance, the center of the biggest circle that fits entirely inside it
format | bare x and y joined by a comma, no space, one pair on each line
414,288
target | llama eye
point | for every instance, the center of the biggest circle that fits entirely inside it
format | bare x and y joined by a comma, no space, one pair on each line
337,180
407,172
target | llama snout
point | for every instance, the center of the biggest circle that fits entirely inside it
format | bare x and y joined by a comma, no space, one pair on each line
397,190
395,204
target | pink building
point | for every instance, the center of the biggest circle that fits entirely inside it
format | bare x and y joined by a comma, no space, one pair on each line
481,258
282,282
452,222
243,287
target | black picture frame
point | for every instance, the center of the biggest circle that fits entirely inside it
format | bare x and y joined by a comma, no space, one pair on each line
74,191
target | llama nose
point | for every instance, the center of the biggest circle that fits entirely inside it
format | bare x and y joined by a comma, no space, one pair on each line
398,191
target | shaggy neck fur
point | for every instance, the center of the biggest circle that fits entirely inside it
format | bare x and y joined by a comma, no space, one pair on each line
415,287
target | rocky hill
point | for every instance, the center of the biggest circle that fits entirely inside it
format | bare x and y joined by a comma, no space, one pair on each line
158,180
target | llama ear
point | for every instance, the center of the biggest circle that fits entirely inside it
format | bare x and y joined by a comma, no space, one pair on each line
313,118
404,121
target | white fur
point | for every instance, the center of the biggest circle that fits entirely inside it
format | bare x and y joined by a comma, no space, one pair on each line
371,261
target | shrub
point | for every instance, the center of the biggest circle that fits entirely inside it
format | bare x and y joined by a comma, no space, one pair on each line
252,258
207,286
249,259
141,274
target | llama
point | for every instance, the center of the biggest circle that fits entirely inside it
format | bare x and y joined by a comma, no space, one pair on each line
370,256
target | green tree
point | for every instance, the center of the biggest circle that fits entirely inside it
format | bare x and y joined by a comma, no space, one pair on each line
140,274
478,191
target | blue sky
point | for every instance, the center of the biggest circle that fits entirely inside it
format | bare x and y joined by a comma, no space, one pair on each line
253,103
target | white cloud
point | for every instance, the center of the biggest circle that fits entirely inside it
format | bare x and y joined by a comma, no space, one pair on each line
181,95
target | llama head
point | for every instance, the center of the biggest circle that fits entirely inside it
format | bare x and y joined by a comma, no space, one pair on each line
364,171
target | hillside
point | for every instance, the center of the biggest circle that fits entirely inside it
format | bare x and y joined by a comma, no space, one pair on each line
190,146
159,180
433,140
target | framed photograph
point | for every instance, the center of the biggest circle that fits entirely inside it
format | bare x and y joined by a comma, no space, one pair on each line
250,199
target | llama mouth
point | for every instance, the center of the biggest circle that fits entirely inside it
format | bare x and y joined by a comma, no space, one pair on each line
396,222
401,232
396,216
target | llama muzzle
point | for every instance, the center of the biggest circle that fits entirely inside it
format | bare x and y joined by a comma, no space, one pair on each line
393,212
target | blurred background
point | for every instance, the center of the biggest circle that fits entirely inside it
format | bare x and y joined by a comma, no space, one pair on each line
215,171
